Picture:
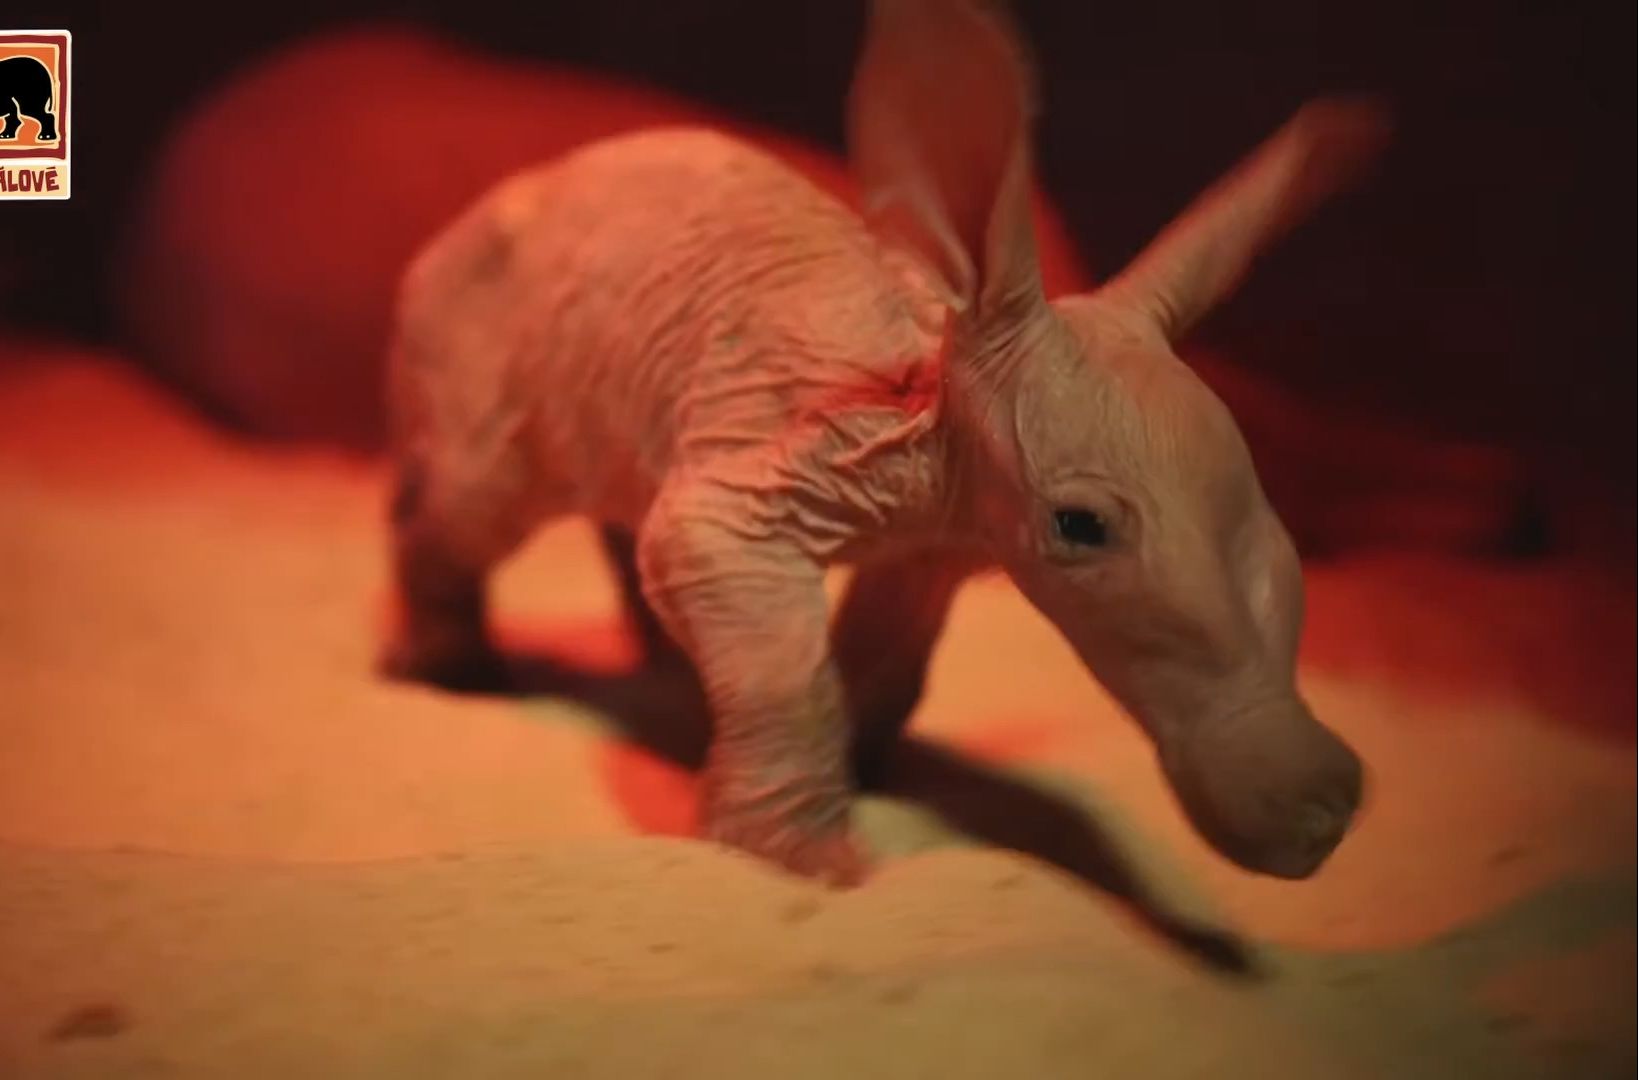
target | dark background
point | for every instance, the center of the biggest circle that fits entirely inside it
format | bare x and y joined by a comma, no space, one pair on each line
1481,286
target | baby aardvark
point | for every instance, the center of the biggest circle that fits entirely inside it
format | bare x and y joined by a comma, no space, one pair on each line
675,334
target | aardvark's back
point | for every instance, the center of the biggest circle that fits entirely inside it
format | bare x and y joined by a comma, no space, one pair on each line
651,297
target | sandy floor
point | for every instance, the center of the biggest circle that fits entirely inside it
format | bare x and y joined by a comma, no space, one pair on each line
227,850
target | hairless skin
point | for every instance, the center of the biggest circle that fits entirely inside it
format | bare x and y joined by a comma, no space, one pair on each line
677,335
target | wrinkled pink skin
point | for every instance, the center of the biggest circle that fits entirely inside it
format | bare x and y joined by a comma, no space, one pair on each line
679,336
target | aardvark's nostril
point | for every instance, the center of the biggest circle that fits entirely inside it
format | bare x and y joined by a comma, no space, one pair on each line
1320,824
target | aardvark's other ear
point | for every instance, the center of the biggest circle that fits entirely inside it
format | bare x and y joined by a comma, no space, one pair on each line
938,125
1201,256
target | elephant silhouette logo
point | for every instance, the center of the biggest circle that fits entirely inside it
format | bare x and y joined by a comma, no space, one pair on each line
34,114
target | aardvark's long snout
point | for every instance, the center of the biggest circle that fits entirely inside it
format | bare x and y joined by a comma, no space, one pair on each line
1272,789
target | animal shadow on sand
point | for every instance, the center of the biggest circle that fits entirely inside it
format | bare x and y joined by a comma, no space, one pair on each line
660,708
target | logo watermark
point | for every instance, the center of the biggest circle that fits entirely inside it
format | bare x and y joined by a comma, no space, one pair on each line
34,123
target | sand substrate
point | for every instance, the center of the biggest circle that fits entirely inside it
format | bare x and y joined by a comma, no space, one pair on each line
227,849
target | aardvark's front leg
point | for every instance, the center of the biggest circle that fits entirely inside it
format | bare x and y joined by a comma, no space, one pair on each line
883,639
749,609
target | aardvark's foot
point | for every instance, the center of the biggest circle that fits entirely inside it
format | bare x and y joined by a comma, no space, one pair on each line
468,668
815,845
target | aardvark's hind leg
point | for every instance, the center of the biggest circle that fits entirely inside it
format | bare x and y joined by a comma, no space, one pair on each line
446,536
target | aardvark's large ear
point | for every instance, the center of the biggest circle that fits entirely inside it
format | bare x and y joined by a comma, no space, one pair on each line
938,126
1201,256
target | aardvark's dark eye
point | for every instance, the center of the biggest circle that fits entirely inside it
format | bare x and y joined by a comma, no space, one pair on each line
1081,527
